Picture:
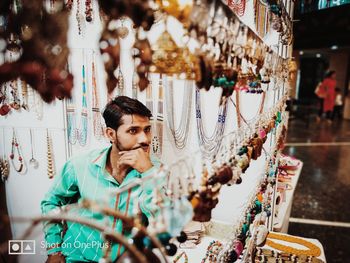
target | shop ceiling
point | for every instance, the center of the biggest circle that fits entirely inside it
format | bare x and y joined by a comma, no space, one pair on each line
323,28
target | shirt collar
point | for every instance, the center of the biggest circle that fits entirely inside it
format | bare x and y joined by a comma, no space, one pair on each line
101,158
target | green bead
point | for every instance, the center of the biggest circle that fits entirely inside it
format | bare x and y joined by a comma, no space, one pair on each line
245,228
242,150
147,242
164,237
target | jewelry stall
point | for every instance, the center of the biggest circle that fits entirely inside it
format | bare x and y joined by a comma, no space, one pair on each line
215,75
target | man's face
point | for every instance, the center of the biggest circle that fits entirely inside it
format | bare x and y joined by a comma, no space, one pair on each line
135,132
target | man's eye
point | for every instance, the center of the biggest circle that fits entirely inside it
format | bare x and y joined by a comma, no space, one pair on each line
148,129
132,131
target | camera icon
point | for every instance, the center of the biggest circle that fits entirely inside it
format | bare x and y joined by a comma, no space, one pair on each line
21,247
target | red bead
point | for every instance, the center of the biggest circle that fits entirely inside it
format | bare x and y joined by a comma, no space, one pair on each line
20,158
12,155
16,144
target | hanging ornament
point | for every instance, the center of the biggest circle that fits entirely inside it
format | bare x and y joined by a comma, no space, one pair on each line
82,138
49,154
32,162
122,31
96,112
21,167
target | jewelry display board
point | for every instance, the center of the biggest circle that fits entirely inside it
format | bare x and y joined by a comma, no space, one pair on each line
228,138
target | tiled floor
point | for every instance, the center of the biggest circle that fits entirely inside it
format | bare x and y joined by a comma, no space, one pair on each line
323,191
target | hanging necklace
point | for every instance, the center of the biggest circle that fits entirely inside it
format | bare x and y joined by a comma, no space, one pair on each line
35,103
88,10
32,162
21,168
49,154
120,80
134,80
24,95
72,131
180,134
5,108
96,113
210,145
82,138
262,23
238,6
16,103
157,117
4,164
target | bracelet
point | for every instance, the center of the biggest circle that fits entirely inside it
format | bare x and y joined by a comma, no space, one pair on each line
180,256
312,250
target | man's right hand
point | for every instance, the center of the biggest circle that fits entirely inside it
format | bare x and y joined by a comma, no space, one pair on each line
56,258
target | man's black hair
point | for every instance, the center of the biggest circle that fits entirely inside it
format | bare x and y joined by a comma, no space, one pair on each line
120,106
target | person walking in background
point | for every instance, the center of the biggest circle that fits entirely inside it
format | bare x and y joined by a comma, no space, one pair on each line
338,104
328,88
320,93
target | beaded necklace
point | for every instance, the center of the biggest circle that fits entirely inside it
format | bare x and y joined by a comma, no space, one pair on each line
49,154
180,134
96,112
4,164
210,145
82,132
262,24
212,252
312,250
238,6
21,168
183,254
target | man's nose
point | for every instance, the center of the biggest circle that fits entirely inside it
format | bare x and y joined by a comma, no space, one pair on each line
143,138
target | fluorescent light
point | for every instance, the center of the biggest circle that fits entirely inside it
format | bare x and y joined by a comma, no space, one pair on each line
318,55
334,47
301,52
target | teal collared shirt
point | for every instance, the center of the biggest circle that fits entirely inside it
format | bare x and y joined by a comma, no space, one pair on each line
85,177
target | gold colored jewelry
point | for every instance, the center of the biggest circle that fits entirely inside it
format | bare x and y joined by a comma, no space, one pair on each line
50,161
313,250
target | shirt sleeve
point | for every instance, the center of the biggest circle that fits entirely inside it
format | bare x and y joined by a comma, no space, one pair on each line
61,192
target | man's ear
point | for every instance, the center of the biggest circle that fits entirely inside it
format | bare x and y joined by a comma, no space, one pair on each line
111,134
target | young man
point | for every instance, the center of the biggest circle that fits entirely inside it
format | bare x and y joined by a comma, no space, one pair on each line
92,175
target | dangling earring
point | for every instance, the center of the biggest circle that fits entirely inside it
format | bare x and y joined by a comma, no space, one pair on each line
22,169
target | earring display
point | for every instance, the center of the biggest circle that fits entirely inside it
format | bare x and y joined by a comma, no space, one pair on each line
122,31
